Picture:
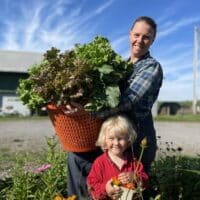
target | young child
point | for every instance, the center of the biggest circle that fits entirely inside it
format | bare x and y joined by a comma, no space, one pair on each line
115,138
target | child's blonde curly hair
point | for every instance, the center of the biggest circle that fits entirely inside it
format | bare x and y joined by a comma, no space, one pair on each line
119,125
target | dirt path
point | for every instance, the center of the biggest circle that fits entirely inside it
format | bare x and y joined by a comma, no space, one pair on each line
29,135
182,134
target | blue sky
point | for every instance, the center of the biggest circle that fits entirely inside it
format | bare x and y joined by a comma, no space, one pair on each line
37,25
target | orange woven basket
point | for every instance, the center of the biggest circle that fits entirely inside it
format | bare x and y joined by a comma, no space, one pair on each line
77,133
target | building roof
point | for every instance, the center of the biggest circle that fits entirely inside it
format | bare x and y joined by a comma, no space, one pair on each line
18,61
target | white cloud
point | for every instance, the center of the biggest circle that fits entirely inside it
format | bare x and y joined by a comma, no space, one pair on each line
45,24
170,27
10,37
175,90
117,43
180,88
31,27
101,8
121,46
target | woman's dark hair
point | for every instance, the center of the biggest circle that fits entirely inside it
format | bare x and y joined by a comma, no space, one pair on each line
149,21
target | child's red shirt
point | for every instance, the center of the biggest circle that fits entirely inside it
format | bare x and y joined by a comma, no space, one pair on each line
103,169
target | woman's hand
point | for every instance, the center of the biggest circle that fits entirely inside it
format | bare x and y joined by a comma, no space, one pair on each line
73,108
114,192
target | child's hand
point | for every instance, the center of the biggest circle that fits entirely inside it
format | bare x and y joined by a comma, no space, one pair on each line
114,192
125,177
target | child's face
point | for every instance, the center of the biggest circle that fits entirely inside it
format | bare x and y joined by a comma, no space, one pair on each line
116,144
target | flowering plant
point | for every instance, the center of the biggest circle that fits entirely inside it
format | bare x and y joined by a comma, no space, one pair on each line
88,74
42,168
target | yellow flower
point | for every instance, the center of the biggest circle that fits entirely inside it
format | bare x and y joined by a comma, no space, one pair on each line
72,197
115,181
143,143
58,197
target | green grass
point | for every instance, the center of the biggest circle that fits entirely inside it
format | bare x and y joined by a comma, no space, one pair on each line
8,158
178,118
171,118
16,118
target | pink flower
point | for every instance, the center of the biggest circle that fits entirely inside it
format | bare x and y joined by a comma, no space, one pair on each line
42,168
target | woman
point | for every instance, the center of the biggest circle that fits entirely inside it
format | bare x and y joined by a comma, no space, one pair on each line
140,90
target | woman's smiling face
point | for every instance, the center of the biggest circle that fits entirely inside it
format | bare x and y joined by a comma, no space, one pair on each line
141,37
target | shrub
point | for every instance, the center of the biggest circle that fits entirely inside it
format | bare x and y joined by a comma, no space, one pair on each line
38,183
176,177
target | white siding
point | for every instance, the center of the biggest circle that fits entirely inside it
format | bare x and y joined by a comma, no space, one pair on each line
18,61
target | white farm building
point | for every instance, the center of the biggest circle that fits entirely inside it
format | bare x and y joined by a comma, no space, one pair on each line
14,66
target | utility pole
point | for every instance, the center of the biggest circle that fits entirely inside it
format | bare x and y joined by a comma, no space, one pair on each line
195,69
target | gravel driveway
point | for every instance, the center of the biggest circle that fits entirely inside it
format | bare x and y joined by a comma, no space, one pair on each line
29,135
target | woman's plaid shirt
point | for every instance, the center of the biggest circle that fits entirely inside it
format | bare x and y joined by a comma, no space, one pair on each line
140,90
